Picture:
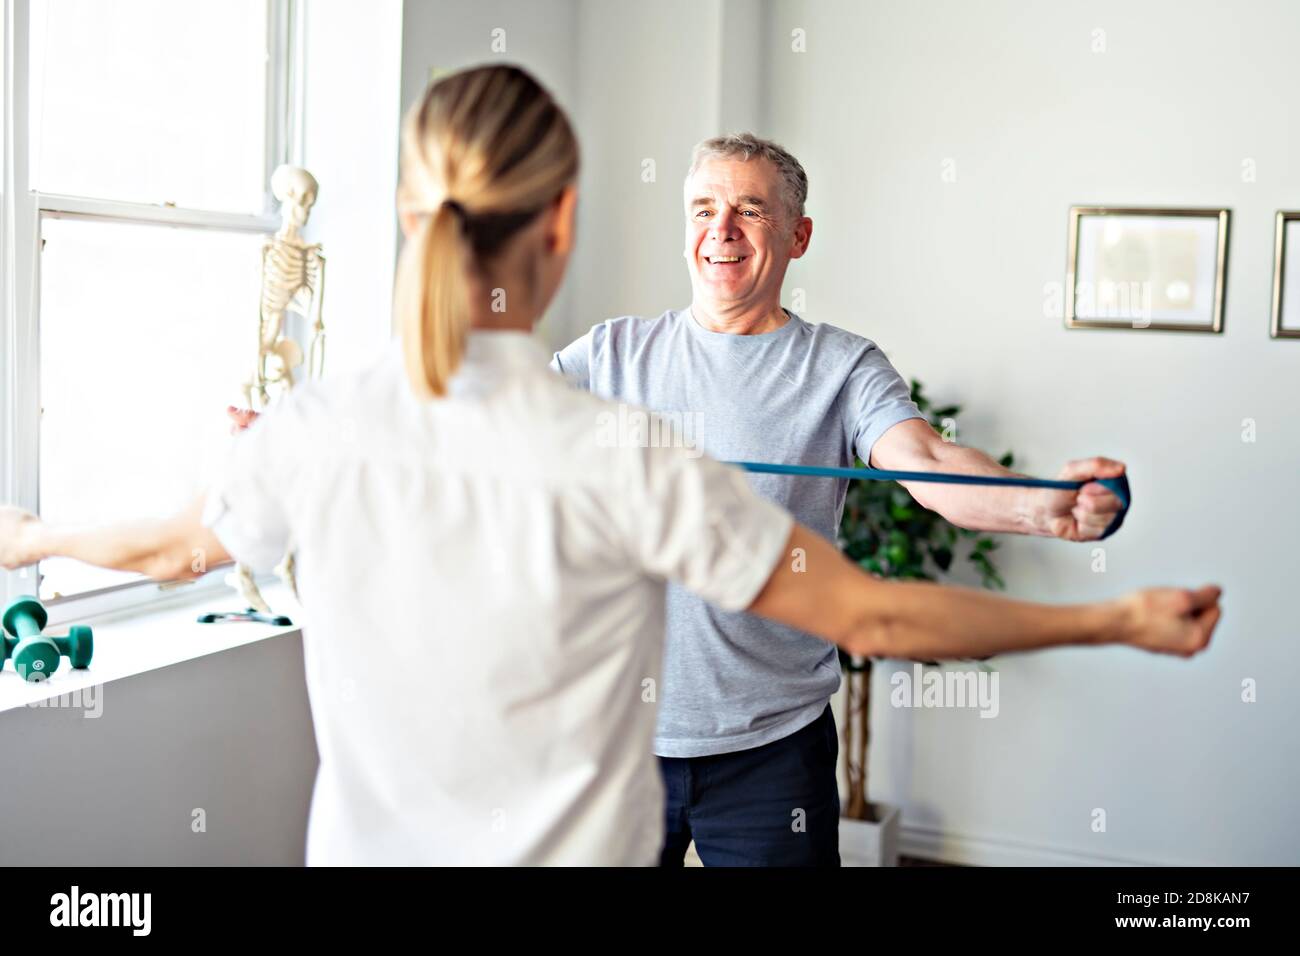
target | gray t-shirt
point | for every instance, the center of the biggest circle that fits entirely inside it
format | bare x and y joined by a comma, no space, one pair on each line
802,394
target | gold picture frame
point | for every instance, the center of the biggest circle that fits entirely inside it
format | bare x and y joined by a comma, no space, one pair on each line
1278,329
1123,272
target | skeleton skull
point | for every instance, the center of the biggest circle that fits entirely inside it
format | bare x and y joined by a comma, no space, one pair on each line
296,190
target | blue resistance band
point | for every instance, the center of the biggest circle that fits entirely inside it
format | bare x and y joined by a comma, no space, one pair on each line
1119,486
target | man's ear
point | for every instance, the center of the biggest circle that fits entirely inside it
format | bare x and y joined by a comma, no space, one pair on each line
802,236
561,227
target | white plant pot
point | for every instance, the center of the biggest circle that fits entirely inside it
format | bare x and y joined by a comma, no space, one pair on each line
871,844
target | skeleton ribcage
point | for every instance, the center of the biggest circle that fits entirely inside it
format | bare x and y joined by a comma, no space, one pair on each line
290,272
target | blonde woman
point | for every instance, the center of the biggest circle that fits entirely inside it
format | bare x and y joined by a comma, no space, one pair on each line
483,578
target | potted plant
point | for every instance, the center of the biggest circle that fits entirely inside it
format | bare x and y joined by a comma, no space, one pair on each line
887,533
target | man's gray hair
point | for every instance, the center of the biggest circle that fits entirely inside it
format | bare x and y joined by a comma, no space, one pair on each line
745,146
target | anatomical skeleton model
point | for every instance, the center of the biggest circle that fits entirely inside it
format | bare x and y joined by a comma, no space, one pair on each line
293,281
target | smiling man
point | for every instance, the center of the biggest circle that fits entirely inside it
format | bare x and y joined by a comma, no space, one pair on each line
746,739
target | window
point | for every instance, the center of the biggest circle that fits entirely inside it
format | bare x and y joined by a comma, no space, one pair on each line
134,436
150,101
142,138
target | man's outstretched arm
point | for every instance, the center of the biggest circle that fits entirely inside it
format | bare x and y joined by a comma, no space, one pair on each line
1080,515
835,600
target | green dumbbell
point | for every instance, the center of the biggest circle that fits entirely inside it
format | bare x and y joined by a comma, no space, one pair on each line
36,655
78,646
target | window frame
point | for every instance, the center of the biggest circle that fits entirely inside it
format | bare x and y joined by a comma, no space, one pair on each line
22,212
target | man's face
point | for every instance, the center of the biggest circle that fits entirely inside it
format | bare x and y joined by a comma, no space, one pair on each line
740,237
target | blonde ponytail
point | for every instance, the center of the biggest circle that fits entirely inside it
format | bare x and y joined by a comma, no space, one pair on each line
483,153
432,301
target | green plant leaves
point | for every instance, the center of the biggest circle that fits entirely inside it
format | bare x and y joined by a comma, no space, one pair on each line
887,533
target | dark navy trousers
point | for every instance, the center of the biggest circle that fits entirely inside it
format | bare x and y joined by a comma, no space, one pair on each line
774,805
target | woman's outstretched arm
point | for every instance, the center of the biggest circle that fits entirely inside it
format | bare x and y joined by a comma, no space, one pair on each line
179,547
834,599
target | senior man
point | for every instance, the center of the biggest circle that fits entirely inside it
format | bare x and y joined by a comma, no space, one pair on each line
745,734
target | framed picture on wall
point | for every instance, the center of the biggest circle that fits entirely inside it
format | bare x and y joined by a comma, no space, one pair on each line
1146,268
1286,276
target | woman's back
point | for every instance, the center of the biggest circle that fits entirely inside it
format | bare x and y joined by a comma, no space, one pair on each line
483,580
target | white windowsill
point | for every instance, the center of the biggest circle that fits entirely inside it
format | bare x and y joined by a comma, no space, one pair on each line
138,640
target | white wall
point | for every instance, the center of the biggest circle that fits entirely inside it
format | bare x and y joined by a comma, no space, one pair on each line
648,92
353,88
451,35
541,36
229,734
950,277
